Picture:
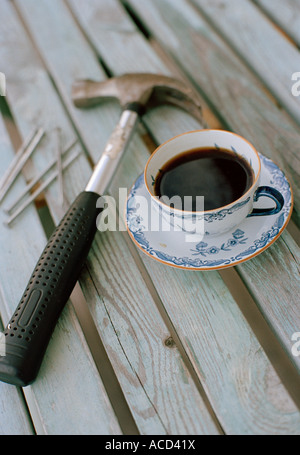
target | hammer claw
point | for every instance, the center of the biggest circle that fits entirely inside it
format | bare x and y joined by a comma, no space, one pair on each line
187,101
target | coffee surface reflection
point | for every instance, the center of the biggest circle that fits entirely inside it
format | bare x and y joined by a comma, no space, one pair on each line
219,175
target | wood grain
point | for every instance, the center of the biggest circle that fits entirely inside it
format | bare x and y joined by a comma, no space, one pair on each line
181,287
286,15
137,344
242,23
14,419
277,299
233,368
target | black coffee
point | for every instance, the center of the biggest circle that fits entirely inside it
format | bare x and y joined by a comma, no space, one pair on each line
219,175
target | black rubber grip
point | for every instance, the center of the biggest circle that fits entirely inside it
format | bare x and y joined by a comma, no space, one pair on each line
54,277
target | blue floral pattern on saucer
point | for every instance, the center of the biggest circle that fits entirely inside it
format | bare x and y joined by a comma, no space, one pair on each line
245,241
238,237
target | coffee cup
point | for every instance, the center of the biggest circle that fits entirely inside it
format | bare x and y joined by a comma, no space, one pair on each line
232,170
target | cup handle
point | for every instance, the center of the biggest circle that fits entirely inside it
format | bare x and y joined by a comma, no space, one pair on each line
271,193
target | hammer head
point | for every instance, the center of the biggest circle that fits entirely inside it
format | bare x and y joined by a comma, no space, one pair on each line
148,90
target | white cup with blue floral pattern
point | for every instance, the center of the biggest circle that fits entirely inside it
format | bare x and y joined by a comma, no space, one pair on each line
221,219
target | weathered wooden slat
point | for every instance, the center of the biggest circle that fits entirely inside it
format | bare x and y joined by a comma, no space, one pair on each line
182,288
277,298
238,97
158,387
258,43
149,362
245,108
285,14
68,396
14,418
243,379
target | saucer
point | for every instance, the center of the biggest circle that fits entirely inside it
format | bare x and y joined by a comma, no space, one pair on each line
243,242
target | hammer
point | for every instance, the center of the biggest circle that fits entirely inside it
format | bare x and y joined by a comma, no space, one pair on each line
137,93
27,334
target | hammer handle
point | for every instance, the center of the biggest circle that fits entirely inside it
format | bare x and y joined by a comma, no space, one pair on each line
52,281
54,277
113,152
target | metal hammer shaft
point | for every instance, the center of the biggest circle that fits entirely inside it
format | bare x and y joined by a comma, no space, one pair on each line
113,152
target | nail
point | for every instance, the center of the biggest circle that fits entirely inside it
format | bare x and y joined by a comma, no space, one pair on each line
17,157
39,190
20,164
39,177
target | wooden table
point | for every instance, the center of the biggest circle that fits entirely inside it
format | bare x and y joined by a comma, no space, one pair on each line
142,347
